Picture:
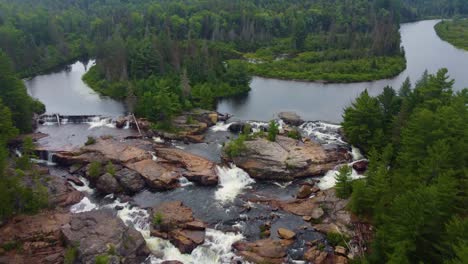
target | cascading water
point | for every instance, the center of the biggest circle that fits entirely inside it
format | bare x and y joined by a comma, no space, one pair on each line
100,122
323,132
221,126
232,181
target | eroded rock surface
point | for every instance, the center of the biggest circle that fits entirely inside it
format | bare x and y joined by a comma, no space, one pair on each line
100,232
175,221
287,158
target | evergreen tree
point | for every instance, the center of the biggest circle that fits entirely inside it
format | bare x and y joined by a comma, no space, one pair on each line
343,182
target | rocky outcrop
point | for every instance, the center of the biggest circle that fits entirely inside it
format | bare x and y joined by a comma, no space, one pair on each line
61,194
115,151
175,221
34,239
194,168
131,181
98,233
287,158
291,118
156,176
263,251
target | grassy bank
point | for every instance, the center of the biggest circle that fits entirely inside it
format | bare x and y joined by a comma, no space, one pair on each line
455,32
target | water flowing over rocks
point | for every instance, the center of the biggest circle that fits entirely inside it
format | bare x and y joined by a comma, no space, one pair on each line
195,168
287,158
99,232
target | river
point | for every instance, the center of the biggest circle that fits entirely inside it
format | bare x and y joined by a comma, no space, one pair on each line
318,101
223,207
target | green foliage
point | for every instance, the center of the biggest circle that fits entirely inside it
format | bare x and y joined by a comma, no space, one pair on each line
158,218
95,169
343,182
11,245
111,250
295,134
455,32
101,259
273,130
71,254
90,141
110,168
415,189
337,239
236,147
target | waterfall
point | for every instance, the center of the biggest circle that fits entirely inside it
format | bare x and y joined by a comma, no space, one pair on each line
232,180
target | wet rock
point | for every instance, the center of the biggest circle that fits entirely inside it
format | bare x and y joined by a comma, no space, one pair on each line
286,233
131,181
107,184
75,180
304,192
95,233
317,213
327,228
361,166
287,159
194,168
340,260
61,194
121,122
300,207
316,256
195,138
175,221
155,175
263,251
291,118
38,238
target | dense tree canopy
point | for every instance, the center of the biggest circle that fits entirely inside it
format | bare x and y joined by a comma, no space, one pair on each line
416,186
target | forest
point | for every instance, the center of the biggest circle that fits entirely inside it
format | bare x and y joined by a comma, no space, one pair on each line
415,192
189,53
455,32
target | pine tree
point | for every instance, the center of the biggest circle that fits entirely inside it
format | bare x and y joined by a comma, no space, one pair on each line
343,182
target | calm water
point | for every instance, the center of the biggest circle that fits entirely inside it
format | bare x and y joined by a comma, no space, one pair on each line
315,101
65,93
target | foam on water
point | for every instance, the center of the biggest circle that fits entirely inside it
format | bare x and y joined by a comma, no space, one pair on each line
158,140
232,180
323,132
283,184
216,249
356,153
100,122
328,181
220,126
85,188
85,205
184,182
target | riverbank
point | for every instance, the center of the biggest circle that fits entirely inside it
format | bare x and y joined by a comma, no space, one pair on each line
454,31
317,67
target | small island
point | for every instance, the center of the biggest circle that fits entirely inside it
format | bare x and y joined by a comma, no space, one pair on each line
454,32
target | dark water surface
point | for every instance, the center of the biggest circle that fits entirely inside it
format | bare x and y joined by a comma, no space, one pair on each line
317,101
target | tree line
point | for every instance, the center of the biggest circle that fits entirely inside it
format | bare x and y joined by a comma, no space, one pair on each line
415,192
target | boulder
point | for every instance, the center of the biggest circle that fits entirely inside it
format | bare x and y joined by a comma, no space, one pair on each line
286,233
38,238
361,166
131,181
194,168
121,122
291,118
61,194
340,250
156,176
97,232
176,223
263,251
107,184
75,180
287,159
304,192
316,256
